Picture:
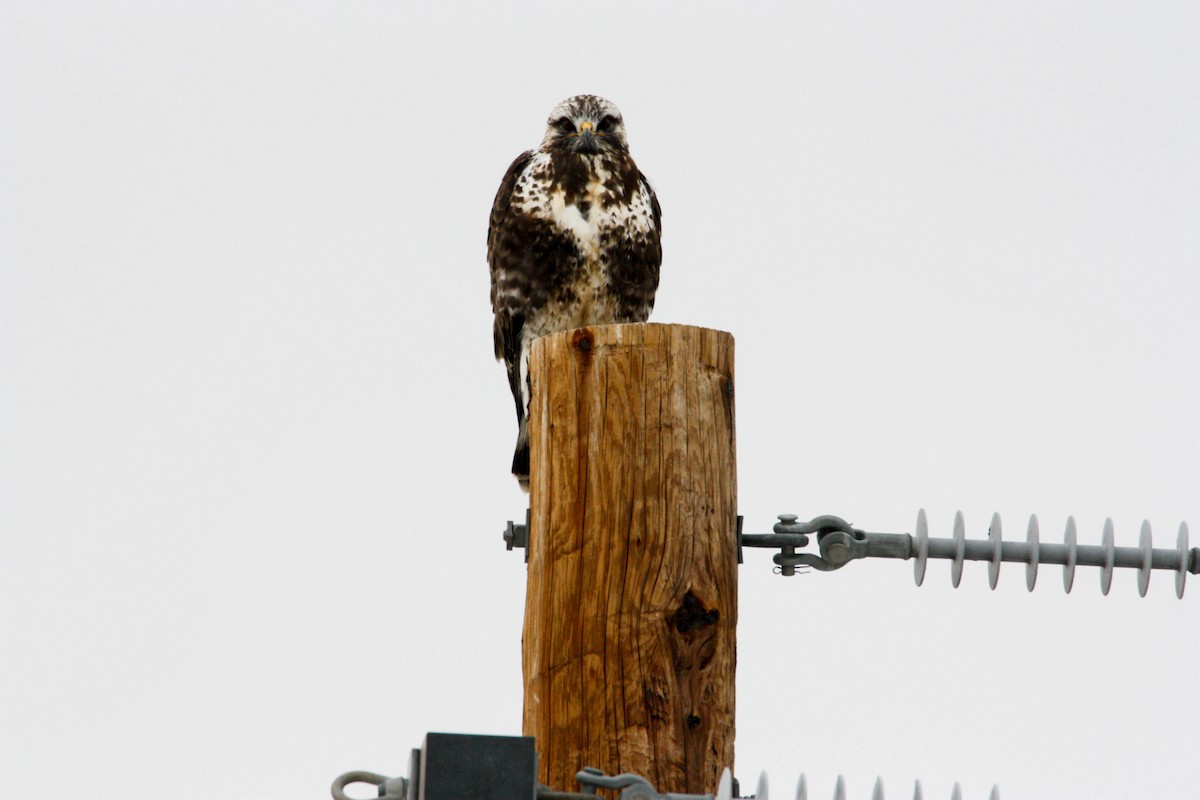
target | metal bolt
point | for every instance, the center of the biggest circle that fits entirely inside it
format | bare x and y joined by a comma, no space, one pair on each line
786,521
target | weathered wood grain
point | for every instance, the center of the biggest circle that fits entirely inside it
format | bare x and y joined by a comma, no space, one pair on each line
631,607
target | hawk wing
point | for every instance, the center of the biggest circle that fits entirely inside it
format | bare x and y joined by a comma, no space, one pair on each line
656,212
646,257
509,235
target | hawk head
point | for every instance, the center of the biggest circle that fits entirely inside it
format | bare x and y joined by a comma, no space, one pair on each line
585,124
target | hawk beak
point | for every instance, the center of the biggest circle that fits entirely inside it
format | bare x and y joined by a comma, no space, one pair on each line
586,141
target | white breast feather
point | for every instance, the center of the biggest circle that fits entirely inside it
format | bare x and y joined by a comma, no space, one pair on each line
536,197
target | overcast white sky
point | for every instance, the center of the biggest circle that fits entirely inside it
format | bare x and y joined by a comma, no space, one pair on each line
254,447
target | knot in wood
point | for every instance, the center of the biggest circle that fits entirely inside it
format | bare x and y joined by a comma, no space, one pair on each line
692,614
582,340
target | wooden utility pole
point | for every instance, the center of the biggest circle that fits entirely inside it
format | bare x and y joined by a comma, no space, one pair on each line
631,608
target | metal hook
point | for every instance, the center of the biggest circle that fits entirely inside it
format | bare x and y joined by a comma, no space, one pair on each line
388,788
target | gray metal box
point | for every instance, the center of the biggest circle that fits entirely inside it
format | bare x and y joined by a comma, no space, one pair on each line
457,766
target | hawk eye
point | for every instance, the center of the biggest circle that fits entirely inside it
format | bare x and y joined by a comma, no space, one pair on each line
565,125
607,124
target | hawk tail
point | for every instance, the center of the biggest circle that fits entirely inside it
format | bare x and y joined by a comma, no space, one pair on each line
517,361
520,464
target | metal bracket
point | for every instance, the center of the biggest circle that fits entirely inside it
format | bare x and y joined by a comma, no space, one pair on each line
837,540
635,787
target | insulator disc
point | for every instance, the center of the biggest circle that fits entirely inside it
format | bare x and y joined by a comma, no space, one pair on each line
1072,555
839,791
922,547
1110,556
877,792
960,549
917,793
1144,541
1032,537
802,788
1181,574
957,793
997,538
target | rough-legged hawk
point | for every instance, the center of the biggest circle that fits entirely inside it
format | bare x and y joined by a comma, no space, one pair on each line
574,240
